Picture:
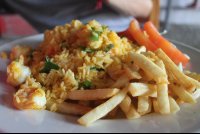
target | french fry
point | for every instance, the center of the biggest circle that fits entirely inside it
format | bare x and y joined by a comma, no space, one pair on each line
112,113
195,82
186,72
135,67
162,93
85,103
170,75
172,94
150,55
110,82
142,89
132,113
179,101
103,109
196,94
191,74
123,79
180,76
141,49
131,73
181,92
92,94
143,104
68,108
150,107
196,77
155,105
125,104
173,105
163,100
149,67
98,102
145,76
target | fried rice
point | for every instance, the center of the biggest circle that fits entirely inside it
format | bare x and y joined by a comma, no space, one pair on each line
63,46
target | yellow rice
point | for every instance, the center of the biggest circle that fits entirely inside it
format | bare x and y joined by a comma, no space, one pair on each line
61,45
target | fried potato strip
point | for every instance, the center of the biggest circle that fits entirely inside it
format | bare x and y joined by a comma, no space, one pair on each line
149,67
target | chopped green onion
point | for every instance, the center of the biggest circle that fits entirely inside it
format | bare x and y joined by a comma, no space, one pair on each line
131,62
95,35
108,48
81,47
62,45
87,50
104,27
87,83
92,68
17,60
48,66
90,50
100,69
31,54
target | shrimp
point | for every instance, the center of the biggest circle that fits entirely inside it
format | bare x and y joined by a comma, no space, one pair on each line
17,72
17,51
30,98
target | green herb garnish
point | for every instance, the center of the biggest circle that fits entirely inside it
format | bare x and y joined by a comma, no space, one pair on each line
131,62
31,54
92,68
95,35
62,45
98,69
108,48
85,85
48,66
17,60
88,50
104,27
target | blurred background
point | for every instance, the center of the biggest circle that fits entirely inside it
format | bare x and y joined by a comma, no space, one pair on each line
180,18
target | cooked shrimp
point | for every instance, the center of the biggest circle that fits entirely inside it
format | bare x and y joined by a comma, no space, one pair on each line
25,51
17,51
17,72
30,98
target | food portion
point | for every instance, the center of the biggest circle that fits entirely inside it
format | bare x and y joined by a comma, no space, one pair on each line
89,70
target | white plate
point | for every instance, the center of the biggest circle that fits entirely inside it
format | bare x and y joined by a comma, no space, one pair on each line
13,120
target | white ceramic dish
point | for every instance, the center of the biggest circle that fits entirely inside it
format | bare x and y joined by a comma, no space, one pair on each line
15,121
